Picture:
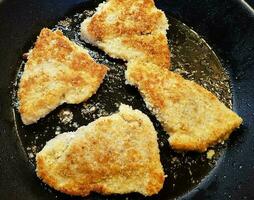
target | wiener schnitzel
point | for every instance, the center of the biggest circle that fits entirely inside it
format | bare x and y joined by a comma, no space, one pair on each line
117,154
193,117
129,30
57,71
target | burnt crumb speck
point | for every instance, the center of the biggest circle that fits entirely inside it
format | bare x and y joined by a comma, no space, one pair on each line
65,116
25,56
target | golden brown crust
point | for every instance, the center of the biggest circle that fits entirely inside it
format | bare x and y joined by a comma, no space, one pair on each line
125,17
57,71
154,47
129,30
193,116
113,155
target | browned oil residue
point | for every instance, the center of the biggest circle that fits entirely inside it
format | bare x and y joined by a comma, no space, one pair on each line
195,60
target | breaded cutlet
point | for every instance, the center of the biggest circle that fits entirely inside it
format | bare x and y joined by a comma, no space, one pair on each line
57,71
193,117
117,154
129,30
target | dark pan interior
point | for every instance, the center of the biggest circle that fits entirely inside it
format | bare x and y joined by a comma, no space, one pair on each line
229,34
184,170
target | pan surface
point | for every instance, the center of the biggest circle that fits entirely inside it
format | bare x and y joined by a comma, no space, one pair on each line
184,170
190,175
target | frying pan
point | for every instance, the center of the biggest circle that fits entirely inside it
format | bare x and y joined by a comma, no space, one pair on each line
227,26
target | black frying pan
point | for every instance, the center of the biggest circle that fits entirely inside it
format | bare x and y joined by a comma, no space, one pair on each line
227,26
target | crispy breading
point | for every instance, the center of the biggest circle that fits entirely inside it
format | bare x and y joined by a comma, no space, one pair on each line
117,154
57,71
129,30
193,117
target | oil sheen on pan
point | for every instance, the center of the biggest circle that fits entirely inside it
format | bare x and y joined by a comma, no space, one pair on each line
191,57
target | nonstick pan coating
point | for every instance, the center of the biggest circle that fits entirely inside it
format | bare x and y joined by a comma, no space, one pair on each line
229,34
